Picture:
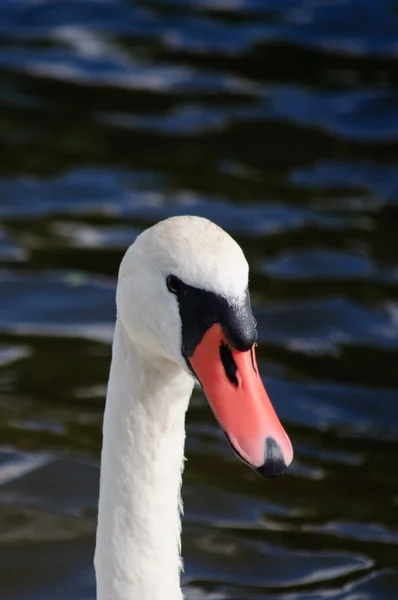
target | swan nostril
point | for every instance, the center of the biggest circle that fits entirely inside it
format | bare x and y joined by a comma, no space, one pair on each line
274,463
229,364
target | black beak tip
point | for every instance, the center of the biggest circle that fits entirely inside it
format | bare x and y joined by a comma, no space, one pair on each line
271,470
274,463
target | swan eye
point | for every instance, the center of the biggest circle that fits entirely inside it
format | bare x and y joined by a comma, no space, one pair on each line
174,284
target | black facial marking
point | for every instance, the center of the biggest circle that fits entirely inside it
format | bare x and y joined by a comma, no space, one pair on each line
200,310
229,364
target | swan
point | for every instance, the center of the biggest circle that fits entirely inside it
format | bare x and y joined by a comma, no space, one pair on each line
183,315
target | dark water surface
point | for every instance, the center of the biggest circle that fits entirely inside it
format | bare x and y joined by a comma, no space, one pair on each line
279,121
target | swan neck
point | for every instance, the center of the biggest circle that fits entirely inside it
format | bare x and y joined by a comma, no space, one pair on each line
137,553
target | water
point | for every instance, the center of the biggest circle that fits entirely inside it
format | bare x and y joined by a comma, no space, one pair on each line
279,121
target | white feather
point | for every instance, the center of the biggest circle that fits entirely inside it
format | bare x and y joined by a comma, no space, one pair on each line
137,553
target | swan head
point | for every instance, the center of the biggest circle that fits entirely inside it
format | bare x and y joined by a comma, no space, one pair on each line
183,295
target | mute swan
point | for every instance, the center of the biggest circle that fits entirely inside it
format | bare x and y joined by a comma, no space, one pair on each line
183,312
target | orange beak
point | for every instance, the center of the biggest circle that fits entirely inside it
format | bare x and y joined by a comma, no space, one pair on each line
236,394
